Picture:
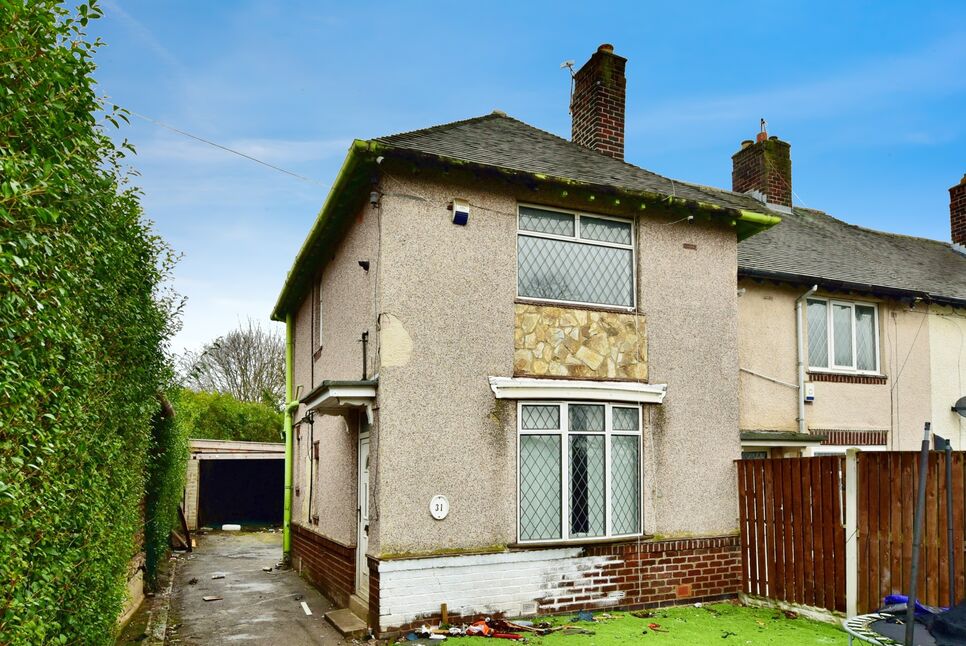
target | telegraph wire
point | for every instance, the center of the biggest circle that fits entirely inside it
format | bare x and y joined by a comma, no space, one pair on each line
227,149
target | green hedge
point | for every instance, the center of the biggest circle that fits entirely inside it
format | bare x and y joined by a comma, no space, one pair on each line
83,327
167,461
219,416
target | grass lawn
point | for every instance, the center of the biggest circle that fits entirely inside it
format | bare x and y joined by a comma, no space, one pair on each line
719,623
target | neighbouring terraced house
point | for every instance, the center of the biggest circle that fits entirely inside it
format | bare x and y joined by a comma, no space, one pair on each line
519,367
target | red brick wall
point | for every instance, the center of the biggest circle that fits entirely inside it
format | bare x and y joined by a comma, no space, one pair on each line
957,212
598,103
328,565
660,573
764,166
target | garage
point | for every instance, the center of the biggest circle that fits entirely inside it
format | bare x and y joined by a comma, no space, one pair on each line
234,482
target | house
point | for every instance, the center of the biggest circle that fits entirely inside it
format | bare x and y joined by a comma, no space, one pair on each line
848,337
513,368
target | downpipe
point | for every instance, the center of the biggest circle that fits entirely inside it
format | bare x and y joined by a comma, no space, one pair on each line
291,406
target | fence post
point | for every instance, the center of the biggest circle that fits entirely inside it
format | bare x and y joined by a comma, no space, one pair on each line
851,532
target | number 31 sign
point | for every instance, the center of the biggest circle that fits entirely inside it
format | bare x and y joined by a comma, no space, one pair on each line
439,507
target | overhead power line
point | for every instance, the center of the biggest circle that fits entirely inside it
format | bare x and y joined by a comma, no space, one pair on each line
227,149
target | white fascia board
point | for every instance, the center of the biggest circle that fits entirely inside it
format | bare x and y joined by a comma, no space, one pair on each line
611,391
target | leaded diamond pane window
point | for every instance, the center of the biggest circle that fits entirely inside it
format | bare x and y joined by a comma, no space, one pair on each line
586,417
552,222
541,417
626,419
580,471
625,484
586,486
864,337
818,334
575,258
539,487
605,230
842,336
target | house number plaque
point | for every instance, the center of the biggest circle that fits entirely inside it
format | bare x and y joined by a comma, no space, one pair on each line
439,507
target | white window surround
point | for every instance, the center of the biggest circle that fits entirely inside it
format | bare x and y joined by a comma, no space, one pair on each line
577,238
564,433
531,388
832,368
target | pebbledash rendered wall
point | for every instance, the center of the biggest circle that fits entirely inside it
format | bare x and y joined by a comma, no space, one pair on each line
448,315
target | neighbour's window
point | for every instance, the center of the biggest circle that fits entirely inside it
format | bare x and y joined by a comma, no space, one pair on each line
842,336
580,471
575,258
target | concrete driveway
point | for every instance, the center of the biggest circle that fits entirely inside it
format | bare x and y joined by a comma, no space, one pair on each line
257,607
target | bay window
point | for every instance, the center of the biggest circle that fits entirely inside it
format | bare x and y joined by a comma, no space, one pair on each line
579,471
575,258
842,336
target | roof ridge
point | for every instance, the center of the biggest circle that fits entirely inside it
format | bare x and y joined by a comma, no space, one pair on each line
444,126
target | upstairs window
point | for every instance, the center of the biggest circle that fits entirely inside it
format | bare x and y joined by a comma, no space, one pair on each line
842,336
580,471
575,258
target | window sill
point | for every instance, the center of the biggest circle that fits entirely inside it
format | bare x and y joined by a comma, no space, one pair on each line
579,542
847,377
566,305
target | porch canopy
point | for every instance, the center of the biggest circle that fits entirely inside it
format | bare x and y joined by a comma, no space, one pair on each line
334,397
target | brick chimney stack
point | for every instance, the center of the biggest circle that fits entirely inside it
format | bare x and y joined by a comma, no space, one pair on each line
597,106
764,165
957,212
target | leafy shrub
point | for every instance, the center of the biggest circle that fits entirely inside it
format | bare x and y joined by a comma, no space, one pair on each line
84,324
219,416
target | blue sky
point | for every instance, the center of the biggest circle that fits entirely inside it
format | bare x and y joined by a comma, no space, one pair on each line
871,95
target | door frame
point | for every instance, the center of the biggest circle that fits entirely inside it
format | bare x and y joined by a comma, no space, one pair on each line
362,520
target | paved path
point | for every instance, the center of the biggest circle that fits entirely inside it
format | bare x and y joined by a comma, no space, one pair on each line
257,608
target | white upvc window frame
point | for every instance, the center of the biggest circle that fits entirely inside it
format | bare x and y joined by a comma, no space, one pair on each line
632,222
832,368
563,431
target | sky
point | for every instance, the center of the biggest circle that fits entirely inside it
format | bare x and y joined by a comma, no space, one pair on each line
871,96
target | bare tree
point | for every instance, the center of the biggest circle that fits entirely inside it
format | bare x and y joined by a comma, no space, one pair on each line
247,363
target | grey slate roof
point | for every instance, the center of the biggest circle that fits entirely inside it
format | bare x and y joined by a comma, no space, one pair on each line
808,246
812,246
501,141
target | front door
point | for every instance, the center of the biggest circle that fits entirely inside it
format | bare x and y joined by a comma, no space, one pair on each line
362,542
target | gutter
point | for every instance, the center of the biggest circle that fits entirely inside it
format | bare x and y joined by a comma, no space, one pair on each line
800,334
879,290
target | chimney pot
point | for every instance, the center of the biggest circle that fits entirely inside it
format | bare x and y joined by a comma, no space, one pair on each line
598,103
746,143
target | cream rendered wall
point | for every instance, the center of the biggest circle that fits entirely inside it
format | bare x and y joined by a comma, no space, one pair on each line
947,351
447,294
348,295
768,346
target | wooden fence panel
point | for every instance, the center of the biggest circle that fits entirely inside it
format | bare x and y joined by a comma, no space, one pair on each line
886,497
792,536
